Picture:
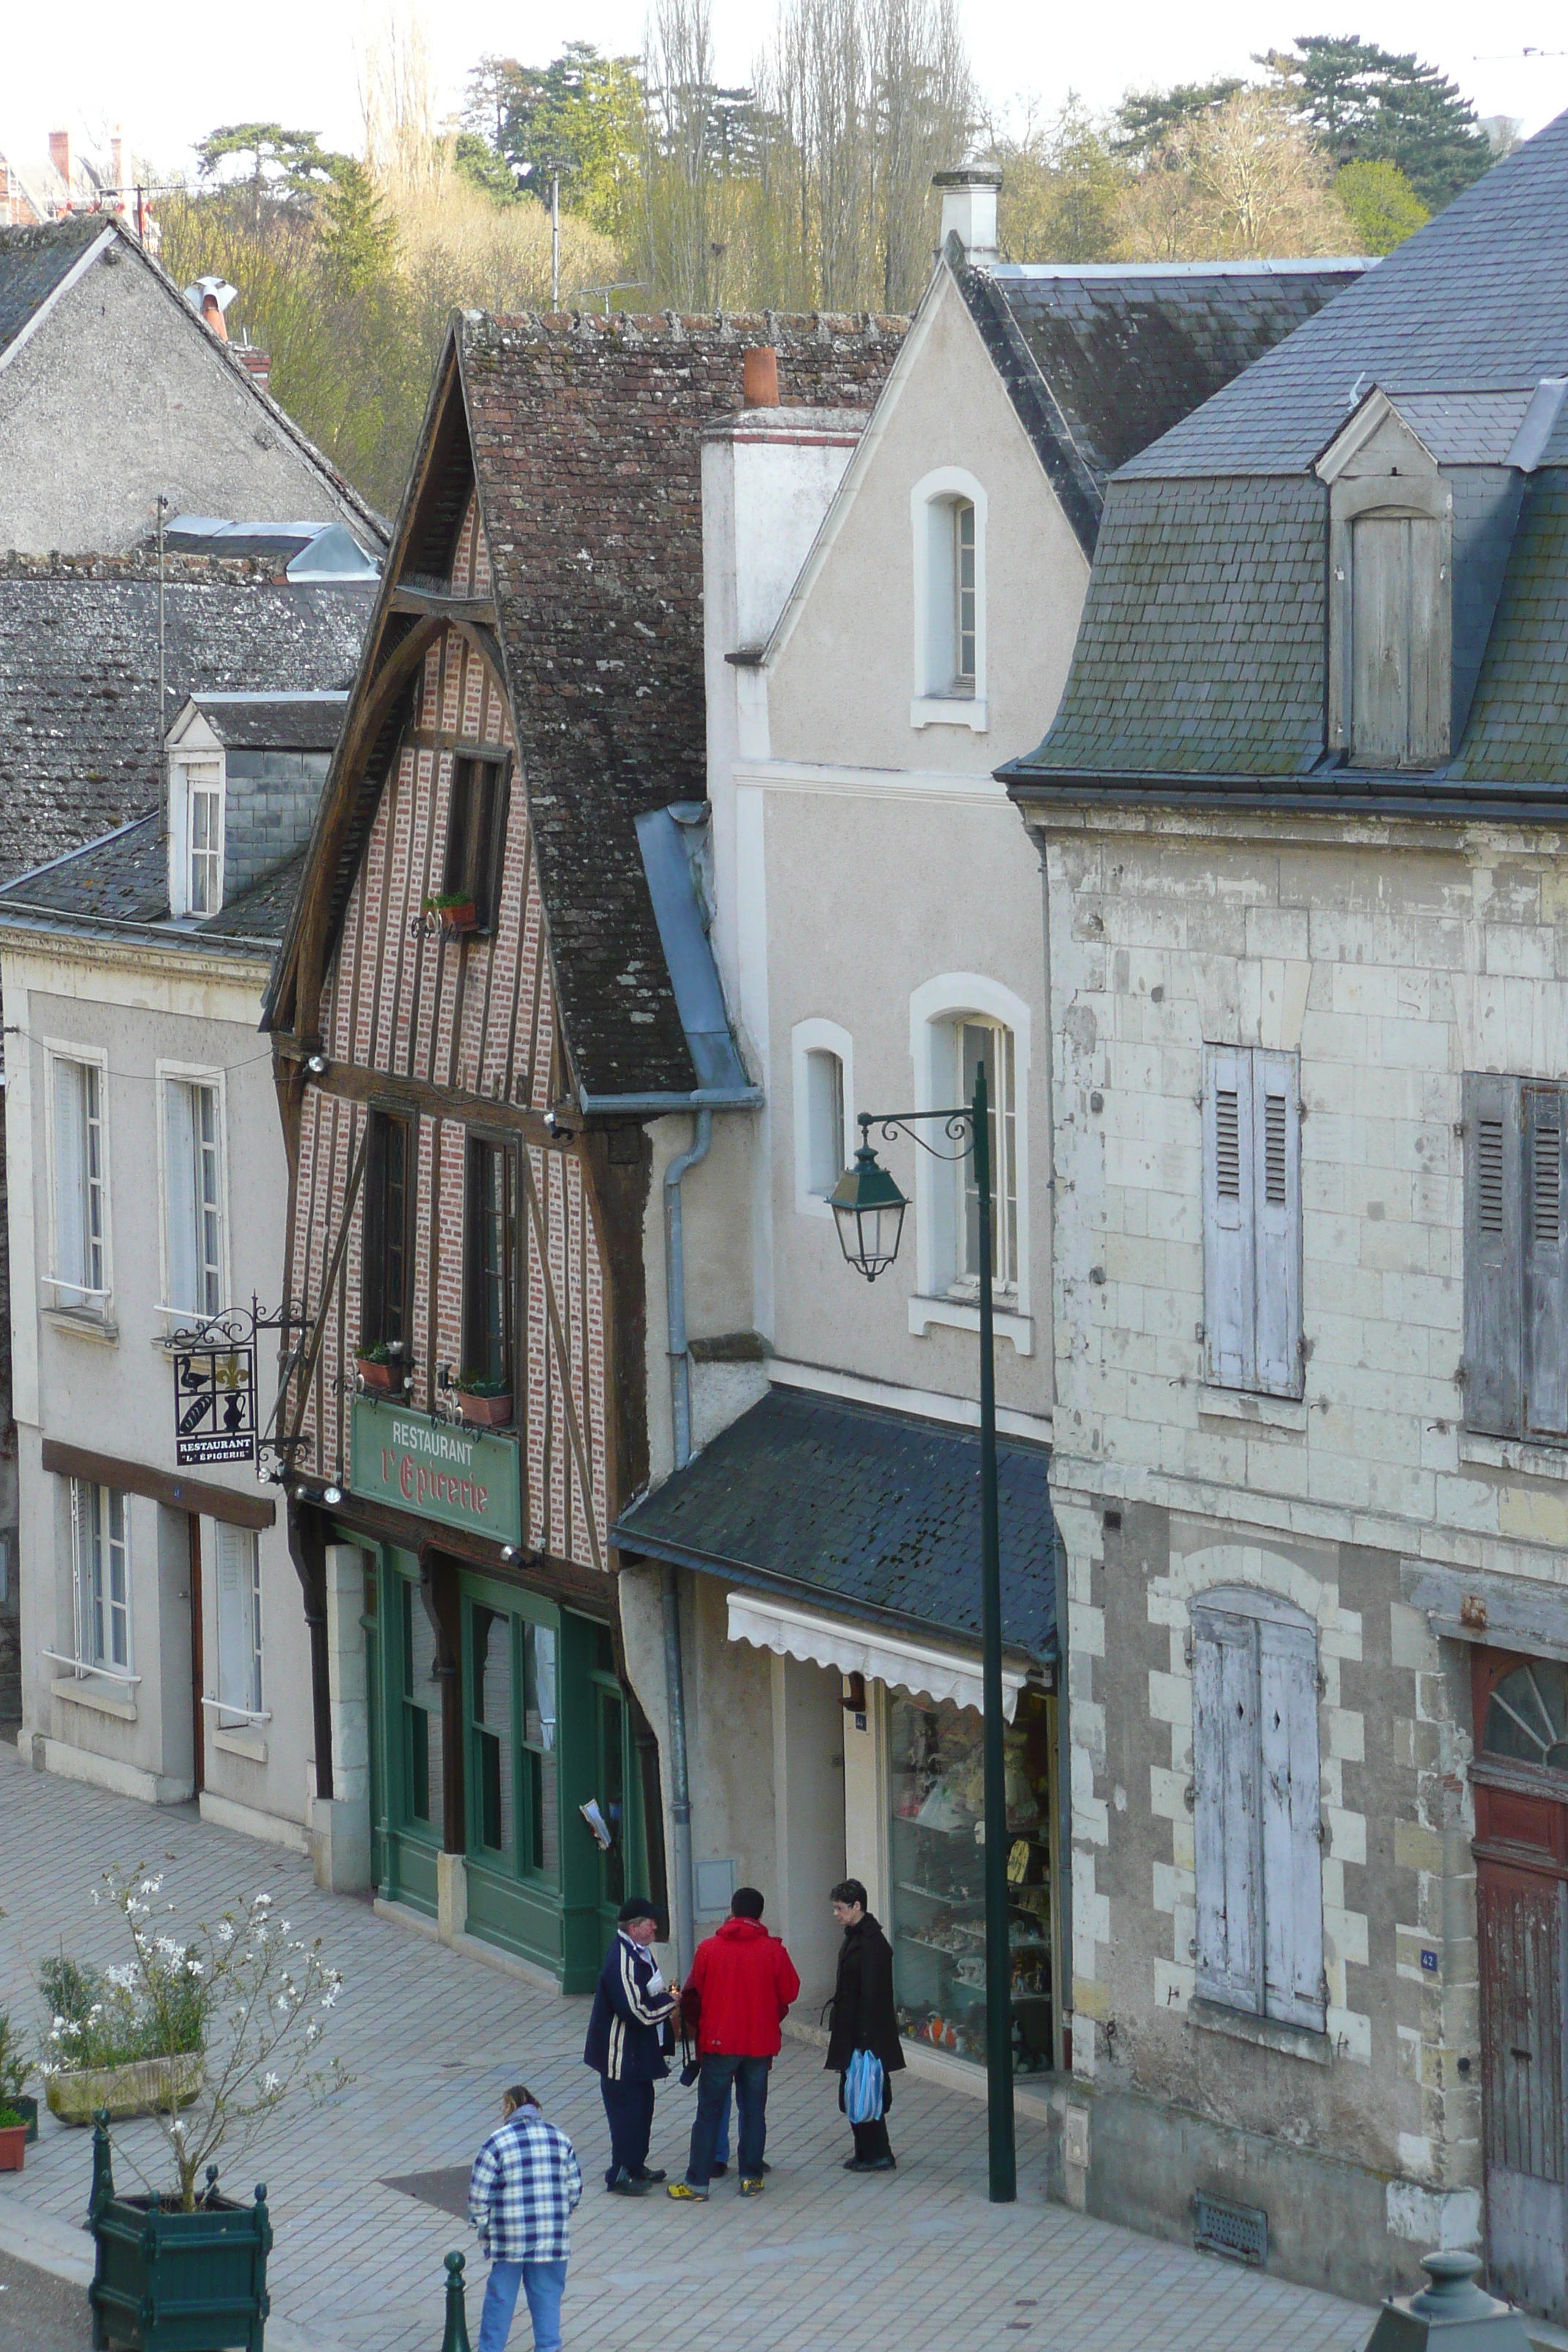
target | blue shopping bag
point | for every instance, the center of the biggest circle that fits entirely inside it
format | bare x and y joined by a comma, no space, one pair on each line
863,2087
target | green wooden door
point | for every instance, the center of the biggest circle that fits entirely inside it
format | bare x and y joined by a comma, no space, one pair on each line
512,1691
409,1735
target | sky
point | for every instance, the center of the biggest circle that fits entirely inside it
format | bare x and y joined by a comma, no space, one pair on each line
170,71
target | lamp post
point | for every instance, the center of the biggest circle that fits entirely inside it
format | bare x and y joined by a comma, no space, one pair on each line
869,1210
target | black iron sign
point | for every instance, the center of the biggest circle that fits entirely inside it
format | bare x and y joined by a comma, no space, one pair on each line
215,1405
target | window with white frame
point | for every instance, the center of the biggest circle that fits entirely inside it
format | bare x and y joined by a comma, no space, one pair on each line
824,1111
100,1539
1252,1219
203,819
949,517
80,1205
988,1046
238,1620
193,1194
1256,1807
959,1022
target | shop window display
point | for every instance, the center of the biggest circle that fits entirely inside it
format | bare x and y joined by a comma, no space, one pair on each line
938,1873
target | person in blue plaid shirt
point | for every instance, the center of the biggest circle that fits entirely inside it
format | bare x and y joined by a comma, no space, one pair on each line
522,2192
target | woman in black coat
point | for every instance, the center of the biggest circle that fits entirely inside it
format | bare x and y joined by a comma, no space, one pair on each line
864,2018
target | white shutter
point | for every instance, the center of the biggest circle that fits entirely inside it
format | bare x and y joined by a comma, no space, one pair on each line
237,1618
180,1196
71,1258
1292,1848
1276,1221
1225,1773
1229,1313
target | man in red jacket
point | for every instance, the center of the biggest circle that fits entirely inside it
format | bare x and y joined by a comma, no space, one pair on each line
737,1994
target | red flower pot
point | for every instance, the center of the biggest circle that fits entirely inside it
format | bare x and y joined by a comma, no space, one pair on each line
13,2141
485,1411
387,1378
459,918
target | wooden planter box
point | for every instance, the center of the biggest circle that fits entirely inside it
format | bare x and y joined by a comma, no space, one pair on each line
386,1379
485,1411
121,2091
165,2281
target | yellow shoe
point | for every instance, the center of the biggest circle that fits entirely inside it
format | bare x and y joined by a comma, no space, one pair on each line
685,2194
752,2188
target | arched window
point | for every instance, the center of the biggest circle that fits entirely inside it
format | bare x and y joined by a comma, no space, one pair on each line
948,515
959,1024
823,1108
1527,1716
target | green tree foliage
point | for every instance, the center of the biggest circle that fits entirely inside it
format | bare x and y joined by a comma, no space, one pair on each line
1366,104
583,109
356,234
1382,207
1147,118
286,167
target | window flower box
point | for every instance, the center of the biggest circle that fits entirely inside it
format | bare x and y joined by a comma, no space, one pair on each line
485,1411
453,912
385,1379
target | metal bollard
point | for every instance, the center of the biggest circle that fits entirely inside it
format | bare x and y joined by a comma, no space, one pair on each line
1451,2309
456,2338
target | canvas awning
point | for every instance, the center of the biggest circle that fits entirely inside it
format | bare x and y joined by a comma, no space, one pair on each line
851,1649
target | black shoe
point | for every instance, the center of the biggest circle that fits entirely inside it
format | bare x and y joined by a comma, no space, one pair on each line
650,2177
626,2184
717,2171
872,2164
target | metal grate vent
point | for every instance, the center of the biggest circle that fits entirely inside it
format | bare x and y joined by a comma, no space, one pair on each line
1239,2233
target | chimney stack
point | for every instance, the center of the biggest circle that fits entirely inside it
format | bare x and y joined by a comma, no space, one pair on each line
117,158
969,211
61,154
212,315
760,377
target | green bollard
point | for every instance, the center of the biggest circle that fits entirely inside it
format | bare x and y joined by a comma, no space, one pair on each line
1451,2314
456,2338
102,2190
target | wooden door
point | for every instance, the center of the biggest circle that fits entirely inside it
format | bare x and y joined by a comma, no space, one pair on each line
1521,1901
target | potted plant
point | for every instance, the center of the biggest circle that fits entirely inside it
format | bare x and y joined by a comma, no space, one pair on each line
15,2067
177,2267
381,1368
485,1403
116,2045
453,909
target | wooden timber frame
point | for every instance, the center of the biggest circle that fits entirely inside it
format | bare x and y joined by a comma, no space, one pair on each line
379,1010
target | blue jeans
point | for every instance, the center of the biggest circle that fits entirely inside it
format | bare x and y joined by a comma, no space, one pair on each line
749,2077
544,2283
721,2137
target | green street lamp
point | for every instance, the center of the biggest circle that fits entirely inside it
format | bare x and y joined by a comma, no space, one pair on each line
869,1210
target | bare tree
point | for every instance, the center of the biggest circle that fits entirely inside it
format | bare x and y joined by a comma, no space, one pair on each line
1241,182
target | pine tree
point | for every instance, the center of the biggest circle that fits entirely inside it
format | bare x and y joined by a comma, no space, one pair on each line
1367,104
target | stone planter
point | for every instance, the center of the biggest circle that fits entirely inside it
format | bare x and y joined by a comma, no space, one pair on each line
120,2091
165,2281
485,1411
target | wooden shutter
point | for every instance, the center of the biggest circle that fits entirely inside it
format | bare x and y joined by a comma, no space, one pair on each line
1380,640
236,1617
180,1196
1225,1826
1277,1222
71,1254
1544,1249
1426,710
1229,1191
1494,1300
1290,1806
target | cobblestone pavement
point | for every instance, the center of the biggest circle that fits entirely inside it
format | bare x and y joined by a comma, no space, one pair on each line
916,2259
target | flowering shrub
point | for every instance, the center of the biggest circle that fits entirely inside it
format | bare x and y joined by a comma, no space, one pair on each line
245,1990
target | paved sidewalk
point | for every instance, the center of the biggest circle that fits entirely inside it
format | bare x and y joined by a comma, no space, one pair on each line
914,2260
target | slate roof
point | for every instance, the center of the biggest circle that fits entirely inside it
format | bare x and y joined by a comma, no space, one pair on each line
584,438
124,879
79,679
1201,657
1101,361
874,1513
1477,298
299,721
32,263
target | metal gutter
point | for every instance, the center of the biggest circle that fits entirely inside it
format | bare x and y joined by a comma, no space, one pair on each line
1352,796
658,1106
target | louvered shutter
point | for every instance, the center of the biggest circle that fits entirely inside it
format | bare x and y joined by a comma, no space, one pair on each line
1229,1308
180,1195
1493,1280
1291,1815
1226,1825
1276,1221
1544,1245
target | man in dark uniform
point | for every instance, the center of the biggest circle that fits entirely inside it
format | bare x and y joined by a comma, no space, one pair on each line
626,2044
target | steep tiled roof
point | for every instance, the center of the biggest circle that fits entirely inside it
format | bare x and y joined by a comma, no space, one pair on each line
309,720
1478,298
79,678
124,879
32,263
1112,356
877,1511
1518,732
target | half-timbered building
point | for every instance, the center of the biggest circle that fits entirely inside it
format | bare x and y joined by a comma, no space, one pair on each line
496,1019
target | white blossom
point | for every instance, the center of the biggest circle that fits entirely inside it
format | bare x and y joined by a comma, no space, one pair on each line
270,2083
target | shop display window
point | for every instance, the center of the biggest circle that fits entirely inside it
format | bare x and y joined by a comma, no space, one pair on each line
938,1853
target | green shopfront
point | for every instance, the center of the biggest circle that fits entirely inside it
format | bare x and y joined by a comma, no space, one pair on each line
499,1729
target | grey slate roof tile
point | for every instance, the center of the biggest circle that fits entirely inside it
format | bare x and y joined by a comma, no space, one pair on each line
33,261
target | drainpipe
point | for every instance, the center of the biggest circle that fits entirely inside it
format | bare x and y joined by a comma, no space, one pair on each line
680,1413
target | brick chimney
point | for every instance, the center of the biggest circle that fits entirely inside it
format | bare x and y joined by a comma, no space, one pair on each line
255,362
61,154
117,158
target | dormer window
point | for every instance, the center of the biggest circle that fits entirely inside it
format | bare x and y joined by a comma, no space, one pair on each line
195,836
1389,594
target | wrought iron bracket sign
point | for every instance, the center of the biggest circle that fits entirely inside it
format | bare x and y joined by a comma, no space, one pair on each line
214,1384
443,1470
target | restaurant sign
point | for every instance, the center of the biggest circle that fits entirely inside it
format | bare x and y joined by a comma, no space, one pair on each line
461,1477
